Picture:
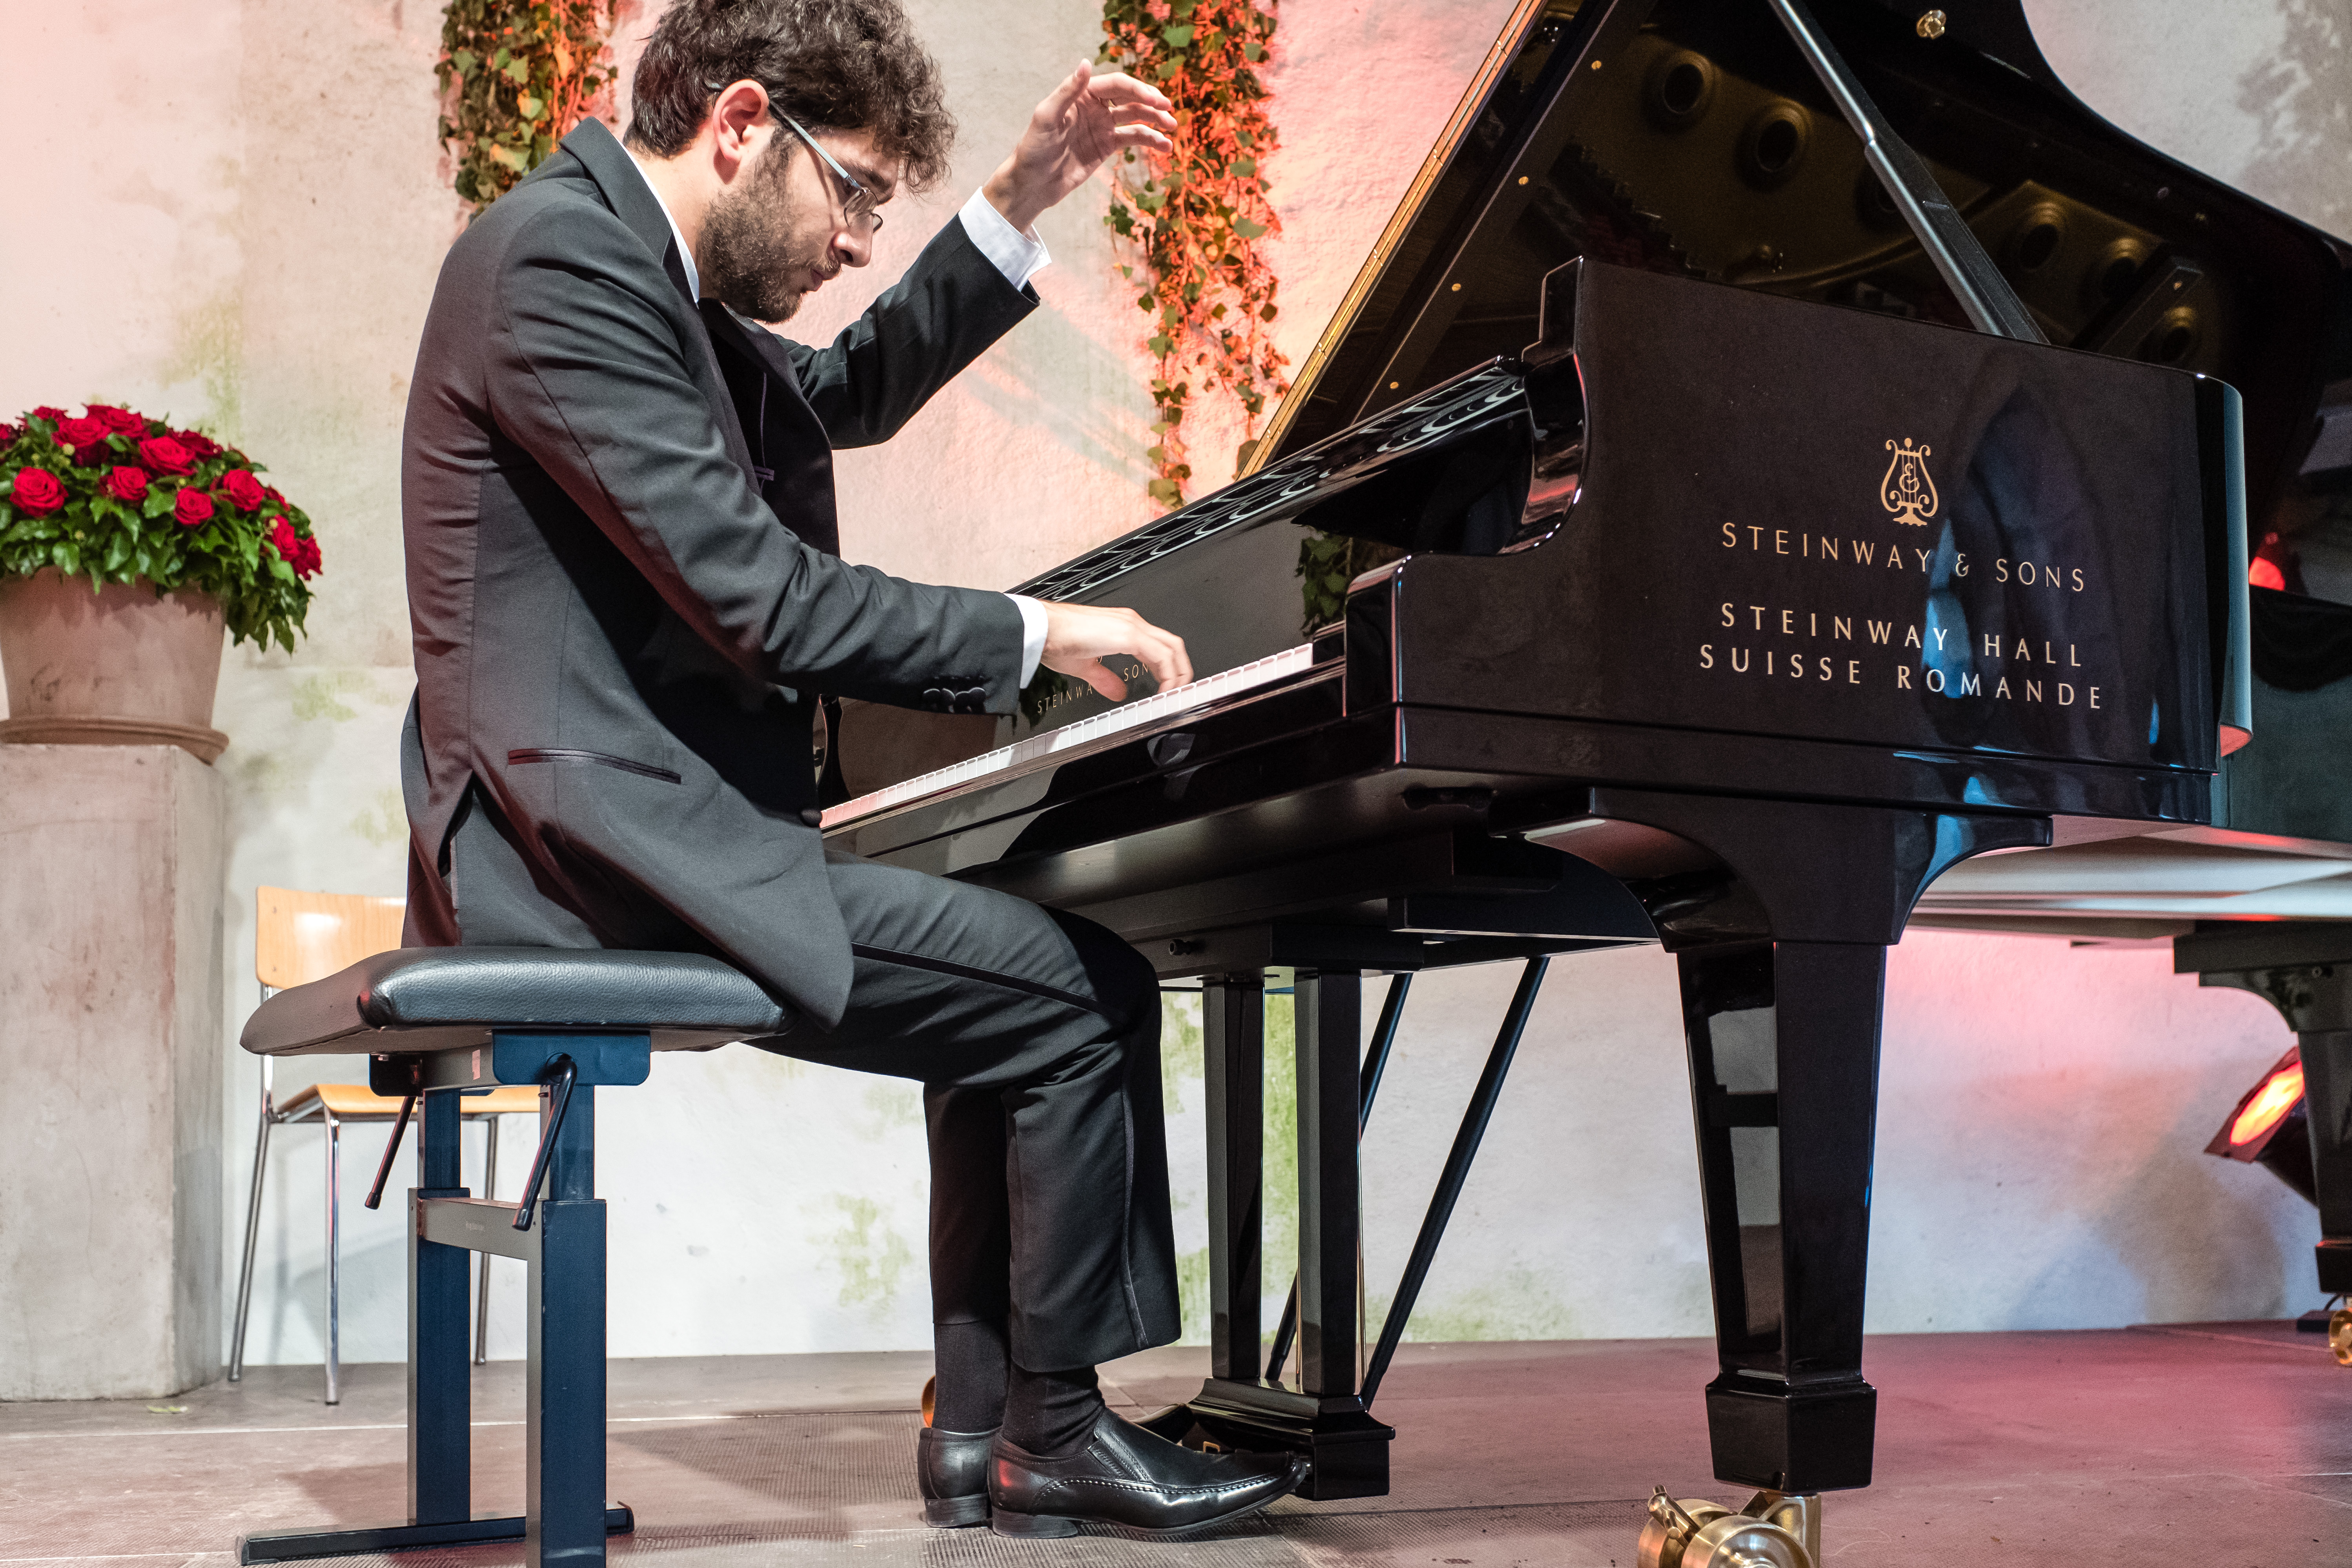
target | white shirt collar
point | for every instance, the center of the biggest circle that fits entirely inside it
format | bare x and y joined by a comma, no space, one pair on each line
685,252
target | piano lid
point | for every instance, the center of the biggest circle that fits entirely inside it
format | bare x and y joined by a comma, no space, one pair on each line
1690,137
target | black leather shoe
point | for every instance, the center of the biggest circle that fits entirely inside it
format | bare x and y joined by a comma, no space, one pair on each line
951,1468
1132,1481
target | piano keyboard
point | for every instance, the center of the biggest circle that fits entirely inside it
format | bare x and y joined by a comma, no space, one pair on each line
1084,734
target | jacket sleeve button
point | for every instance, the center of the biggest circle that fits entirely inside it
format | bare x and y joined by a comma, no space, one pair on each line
812,816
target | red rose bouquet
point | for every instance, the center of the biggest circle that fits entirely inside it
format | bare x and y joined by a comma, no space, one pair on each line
118,496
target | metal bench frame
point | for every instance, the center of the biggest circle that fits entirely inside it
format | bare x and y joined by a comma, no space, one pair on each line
557,1231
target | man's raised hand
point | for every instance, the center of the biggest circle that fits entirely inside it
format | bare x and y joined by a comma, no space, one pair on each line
1079,636
1081,124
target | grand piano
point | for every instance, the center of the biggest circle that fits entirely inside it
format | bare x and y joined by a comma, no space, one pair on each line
1786,470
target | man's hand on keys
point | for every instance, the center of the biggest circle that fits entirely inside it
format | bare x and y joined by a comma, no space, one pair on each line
1078,637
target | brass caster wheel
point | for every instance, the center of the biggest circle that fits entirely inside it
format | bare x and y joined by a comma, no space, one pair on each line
2340,1335
1771,1531
930,1398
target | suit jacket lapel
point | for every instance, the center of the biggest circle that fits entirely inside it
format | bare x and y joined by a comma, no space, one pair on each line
624,187
792,456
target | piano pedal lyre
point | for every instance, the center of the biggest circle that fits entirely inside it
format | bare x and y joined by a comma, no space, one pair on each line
2339,1334
1773,1530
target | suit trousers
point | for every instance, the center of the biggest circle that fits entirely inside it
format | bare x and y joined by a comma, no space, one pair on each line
1035,1035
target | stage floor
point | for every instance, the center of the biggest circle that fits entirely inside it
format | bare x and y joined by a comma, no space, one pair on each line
2222,1446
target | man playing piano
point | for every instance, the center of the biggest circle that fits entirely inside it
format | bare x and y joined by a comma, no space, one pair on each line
619,517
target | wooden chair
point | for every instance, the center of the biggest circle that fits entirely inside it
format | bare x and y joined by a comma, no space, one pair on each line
298,938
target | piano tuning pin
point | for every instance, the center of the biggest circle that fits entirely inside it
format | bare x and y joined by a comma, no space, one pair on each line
1931,25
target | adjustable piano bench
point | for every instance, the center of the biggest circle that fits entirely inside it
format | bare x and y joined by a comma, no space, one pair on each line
441,1023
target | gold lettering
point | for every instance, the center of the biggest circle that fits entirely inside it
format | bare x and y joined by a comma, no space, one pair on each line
1779,541
1829,548
2034,691
1739,661
1971,685
2065,695
1854,672
2000,569
1812,624
1902,677
1941,632
1961,570
1863,552
1768,662
1796,667
2024,651
1730,537
1922,555
2025,573
2072,661
1935,678
1911,637
1880,630
1706,656
2078,579
1894,561
1787,623
2002,690
1759,615
1993,645
1756,539
1842,626
1728,618
2094,697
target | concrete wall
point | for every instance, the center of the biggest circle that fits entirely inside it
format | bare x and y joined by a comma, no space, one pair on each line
238,207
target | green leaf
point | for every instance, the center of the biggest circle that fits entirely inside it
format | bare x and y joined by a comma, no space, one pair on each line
532,108
1245,167
1177,36
1252,51
1247,229
464,60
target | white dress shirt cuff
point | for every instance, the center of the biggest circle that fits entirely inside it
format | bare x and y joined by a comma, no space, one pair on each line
1033,633
1017,255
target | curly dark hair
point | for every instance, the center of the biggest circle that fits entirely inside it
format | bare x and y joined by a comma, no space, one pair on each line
845,65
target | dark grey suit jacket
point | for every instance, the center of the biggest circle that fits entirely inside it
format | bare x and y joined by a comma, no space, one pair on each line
618,534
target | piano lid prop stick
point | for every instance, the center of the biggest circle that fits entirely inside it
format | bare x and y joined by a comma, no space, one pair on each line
1458,1171
1992,306
1376,1061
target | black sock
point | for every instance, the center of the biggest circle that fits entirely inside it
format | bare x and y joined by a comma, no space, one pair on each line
971,1363
1050,1413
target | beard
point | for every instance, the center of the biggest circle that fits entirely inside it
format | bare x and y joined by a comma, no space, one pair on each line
752,256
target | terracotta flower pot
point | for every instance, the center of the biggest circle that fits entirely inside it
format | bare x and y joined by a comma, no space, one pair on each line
115,667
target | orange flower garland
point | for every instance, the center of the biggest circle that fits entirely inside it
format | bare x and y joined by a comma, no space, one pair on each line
1198,223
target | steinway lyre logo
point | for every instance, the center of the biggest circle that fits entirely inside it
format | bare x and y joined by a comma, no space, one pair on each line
1907,491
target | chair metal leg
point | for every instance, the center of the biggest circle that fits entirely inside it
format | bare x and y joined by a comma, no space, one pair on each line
252,1227
334,1256
482,1260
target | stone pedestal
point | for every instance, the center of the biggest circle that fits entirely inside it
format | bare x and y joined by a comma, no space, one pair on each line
112,882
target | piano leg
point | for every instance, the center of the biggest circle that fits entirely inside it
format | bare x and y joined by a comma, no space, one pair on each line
1324,1418
1782,948
2306,971
1784,1066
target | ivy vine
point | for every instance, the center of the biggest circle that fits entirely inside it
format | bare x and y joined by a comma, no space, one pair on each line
1197,225
516,77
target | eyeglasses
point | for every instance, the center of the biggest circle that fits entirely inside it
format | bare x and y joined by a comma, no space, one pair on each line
857,207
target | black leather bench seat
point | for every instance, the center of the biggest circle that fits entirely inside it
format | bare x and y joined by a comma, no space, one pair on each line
450,998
